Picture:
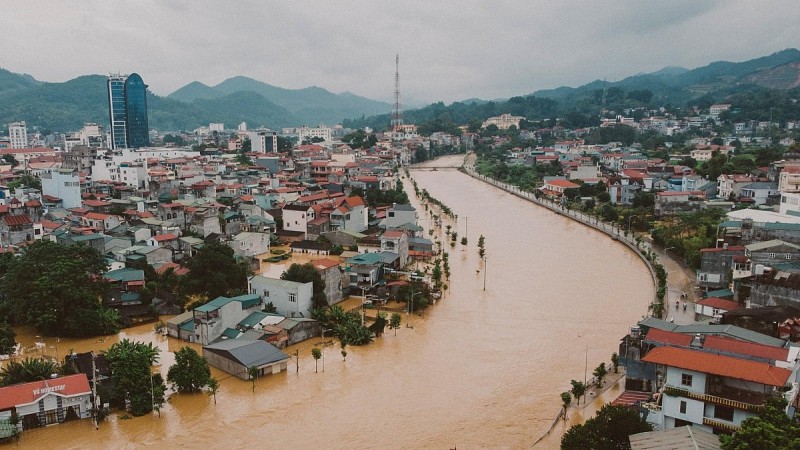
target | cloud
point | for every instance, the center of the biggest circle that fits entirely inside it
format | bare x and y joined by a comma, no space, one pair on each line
449,50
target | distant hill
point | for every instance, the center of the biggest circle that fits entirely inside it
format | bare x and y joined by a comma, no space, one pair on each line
67,106
580,106
11,82
310,106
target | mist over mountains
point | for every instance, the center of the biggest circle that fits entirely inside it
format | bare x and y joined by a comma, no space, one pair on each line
66,106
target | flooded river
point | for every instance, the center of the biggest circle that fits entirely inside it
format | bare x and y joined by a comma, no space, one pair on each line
480,369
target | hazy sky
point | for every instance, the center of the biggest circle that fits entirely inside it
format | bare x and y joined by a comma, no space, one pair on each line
449,50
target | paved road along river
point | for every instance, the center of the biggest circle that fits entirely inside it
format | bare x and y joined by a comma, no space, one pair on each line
480,369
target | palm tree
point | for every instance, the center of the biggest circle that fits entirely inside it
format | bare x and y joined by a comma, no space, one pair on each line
29,369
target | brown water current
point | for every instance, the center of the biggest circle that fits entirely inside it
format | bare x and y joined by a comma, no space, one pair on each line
480,369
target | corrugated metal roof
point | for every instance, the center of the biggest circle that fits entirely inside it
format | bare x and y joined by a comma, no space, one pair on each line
675,438
247,353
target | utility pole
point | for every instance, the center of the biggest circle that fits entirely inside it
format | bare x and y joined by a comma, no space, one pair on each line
485,258
297,360
95,400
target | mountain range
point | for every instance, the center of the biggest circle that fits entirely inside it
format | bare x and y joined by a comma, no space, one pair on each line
66,106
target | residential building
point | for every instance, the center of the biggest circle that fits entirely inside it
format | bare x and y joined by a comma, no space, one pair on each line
296,217
331,273
63,184
127,104
18,134
290,298
321,132
212,319
714,392
398,215
238,356
396,241
717,266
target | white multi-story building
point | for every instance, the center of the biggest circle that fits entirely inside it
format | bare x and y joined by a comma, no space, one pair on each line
263,141
321,132
91,135
18,133
64,184
503,121
290,298
218,127
716,392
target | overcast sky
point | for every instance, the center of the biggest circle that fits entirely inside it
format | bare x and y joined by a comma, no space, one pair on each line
449,50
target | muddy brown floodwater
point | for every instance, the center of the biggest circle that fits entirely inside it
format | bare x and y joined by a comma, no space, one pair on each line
480,369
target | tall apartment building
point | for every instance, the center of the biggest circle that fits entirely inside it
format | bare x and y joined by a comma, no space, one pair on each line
18,133
263,141
127,105
321,132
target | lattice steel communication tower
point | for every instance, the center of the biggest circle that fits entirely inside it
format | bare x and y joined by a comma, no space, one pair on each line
397,113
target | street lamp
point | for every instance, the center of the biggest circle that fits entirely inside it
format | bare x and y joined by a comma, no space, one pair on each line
323,345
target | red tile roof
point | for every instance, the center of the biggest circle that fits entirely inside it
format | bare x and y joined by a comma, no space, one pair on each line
325,263
97,216
726,366
732,248
668,337
563,183
27,393
720,303
165,237
17,220
731,345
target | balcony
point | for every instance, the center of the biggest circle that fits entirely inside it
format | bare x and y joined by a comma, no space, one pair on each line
719,424
755,406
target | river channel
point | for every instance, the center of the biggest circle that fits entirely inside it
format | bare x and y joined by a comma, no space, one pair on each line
482,368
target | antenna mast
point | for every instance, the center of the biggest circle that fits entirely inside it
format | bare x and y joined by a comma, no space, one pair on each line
397,113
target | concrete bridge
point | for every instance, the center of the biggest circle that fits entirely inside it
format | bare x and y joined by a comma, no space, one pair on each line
434,168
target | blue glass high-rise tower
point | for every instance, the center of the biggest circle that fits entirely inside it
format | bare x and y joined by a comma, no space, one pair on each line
127,105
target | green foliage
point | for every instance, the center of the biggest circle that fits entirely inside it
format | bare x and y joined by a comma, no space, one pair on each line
27,370
608,430
394,322
57,289
566,399
599,373
618,133
213,387
7,338
345,325
190,373
615,362
688,233
304,273
771,429
214,272
578,389
316,354
133,381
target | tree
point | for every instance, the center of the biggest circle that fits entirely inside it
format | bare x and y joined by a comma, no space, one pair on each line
578,389
566,399
394,322
190,373
27,370
615,362
57,289
7,339
608,430
481,247
252,373
304,273
600,372
771,429
213,388
133,381
316,354
214,272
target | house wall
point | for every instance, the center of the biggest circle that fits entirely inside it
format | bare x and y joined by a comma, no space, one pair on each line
238,370
769,295
52,402
278,293
303,331
333,284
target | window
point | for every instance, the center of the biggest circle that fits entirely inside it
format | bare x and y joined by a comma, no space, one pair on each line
723,412
788,256
293,298
686,379
772,255
266,293
683,407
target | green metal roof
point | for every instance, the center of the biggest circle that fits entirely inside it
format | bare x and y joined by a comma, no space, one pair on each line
366,258
253,319
231,333
130,297
187,326
248,300
125,274
722,293
214,305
